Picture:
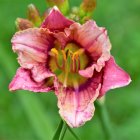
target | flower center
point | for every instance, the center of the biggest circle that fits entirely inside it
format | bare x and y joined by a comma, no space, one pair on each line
66,63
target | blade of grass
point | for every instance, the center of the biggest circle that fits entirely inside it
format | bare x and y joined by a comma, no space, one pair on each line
58,131
63,131
104,119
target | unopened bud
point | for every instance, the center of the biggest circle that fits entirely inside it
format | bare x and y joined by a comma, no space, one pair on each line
33,15
22,24
87,7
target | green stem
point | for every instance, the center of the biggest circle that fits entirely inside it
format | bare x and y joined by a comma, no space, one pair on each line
105,122
63,132
73,133
58,131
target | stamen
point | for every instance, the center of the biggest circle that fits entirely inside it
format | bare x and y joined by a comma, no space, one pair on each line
66,62
64,58
53,50
64,55
74,64
65,79
75,58
55,53
70,53
71,66
77,53
79,65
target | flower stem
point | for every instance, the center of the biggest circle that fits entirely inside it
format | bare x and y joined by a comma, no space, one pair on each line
76,137
105,122
63,131
58,131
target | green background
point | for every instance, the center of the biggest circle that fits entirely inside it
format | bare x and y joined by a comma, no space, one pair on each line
33,116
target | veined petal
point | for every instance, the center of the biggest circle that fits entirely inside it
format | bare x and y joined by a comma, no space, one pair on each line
76,105
113,77
94,40
32,46
56,21
91,37
62,38
103,43
40,72
23,81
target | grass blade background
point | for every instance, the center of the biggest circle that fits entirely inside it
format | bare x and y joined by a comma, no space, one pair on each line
32,106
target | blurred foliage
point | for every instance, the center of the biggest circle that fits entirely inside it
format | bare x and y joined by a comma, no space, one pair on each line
34,116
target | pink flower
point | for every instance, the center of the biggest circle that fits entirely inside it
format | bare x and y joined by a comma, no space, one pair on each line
71,59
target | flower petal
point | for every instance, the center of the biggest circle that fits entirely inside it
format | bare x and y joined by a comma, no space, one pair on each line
56,21
93,39
40,72
32,46
23,80
101,42
113,77
76,105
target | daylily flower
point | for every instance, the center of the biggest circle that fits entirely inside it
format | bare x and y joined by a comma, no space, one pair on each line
71,59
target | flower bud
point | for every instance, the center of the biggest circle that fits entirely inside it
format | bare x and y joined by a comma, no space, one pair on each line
33,15
22,24
87,7
63,5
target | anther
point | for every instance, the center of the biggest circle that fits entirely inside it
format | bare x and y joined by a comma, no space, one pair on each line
55,53
77,53
64,58
53,50
74,64
76,60
79,63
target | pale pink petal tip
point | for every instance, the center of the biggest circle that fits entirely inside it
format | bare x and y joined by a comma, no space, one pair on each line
56,21
96,43
31,45
88,72
114,77
23,81
77,119
76,108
